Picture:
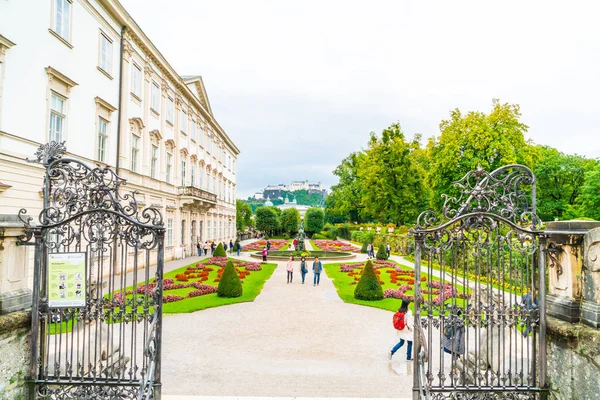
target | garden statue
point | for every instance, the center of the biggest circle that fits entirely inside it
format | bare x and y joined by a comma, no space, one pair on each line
300,237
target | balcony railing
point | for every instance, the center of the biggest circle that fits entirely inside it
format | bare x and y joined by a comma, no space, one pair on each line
197,193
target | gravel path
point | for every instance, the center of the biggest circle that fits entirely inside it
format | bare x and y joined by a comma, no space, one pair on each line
293,340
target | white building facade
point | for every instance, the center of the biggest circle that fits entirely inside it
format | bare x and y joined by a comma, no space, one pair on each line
83,72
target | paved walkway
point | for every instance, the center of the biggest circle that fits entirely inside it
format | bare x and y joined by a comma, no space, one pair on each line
293,340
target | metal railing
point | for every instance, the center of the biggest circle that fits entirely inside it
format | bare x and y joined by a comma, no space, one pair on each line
197,192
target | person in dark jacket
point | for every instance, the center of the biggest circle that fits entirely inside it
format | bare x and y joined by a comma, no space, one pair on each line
317,268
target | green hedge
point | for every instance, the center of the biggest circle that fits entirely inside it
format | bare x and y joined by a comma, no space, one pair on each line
230,284
368,287
220,251
381,253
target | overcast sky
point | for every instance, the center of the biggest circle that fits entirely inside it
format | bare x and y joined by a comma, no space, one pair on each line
298,85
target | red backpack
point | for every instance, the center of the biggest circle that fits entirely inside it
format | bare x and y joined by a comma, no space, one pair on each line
399,320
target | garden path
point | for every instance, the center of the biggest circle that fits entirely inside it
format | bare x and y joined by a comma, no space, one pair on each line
293,340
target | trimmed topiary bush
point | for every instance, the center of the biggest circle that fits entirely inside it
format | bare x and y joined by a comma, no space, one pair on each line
368,287
363,249
381,253
236,245
230,284
220,251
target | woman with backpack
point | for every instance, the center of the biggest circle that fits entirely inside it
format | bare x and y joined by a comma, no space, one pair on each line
403,323
264,254
303,268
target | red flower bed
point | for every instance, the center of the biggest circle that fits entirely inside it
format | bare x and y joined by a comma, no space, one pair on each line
261,244
335,245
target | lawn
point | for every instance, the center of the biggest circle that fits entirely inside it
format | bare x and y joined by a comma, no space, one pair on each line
344,285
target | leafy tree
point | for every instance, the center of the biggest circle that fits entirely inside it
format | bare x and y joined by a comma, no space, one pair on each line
590,194
348,192
314,220
466,141
220,251
363,249
333,213
560,180
243,215
230,284
267,219
290,220
368,287
394,180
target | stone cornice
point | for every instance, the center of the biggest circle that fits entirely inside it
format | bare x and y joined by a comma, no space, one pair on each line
53,73
105,104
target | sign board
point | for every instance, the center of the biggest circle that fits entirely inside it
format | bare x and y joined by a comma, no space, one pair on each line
66,279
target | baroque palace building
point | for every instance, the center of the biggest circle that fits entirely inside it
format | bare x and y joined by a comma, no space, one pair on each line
83,72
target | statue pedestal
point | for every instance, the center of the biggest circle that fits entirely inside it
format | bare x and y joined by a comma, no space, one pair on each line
590,309
15,294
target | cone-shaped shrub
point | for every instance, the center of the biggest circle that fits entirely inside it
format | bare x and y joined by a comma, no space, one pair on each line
363,249
368,288
230,284
381,253
220,251
236,245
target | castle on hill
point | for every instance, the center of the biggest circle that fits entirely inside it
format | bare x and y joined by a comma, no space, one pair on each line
276,191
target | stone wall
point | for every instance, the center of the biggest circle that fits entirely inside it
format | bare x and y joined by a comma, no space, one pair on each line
573,361
15,335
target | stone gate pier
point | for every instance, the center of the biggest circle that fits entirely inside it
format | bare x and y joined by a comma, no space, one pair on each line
573,308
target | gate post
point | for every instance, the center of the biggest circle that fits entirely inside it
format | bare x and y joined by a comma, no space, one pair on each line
160,260
35,322
417,385
542,306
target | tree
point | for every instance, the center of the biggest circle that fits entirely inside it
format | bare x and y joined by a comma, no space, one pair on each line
394,180
314,220
267,219
590,194
560,180
466,141
290,220
230,284
349,190
368,287
333,213
243,215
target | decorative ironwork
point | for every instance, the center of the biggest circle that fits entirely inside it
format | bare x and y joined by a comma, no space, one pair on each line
482,317
553,251
109,348
198,193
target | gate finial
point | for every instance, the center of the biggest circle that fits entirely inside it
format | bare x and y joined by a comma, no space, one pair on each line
49,152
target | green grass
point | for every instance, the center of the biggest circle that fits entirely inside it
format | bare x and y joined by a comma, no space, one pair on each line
60,327
341,281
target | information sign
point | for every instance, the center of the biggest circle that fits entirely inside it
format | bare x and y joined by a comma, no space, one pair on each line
66,279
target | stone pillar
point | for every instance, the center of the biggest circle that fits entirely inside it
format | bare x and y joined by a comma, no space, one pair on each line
590,307
14,292
565,259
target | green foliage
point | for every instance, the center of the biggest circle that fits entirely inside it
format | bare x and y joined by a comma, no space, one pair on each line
381,253
243,215
363,236
230,284
318,236
467,141
333,209
290,220
220,251
236,245
363,249
346,196
590,194
343,231
368,287
267,219
313,220
286,236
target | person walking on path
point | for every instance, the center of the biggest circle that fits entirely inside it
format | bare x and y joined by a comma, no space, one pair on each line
290,269
303,268
264,254
205,247
529,303
231,246
213,245
403,319
388,250
317,268
239,248
225,246
199,248
268,246
369,250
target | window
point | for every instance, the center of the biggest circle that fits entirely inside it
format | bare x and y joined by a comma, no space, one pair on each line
215,184
153,161
155,97
182,172
183,121
201,179
169,167
62,18
215,229
105,53
183,231
57,117
102,139
170,110
193,130
135,150
169,231
208,227
193,175
136,81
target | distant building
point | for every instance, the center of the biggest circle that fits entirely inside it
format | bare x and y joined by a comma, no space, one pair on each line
292,204
275,191
258,196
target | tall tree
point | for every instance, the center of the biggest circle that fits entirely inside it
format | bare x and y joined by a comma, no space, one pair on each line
267,219
349,190
243,215
290,220
467,141
333,213
589,199
394,180
314,220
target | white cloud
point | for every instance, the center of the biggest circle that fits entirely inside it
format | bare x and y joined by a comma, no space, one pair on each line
303,82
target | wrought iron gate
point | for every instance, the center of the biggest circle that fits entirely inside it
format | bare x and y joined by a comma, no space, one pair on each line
481,311
97,308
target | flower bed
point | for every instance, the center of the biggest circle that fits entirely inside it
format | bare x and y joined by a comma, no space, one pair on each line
335,245
261,244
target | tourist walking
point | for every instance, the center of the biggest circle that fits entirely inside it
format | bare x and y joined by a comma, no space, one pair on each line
264,254
369,250
529,302
239,248
403,324
230,246
290,269
205,247
388,250
317,268
303,269
224,246
199,248
268,246
213,246
454,336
